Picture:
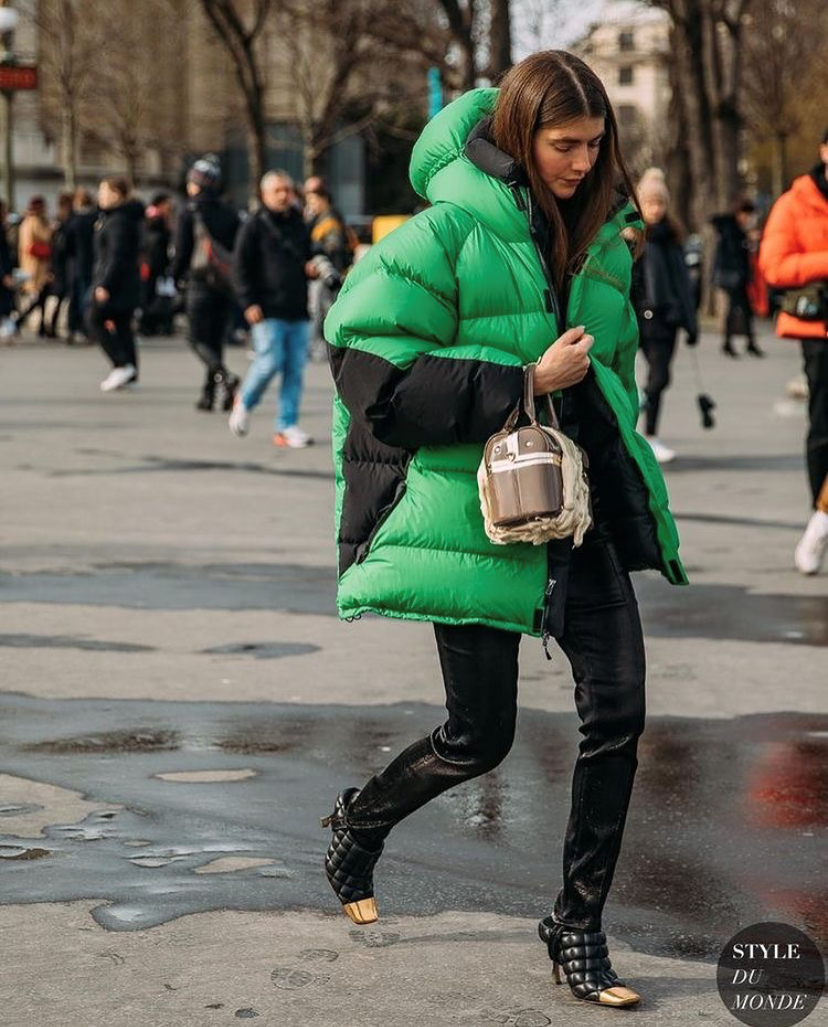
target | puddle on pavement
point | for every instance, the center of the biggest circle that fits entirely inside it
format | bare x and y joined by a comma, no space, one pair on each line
727,824
704,611
70,642
263,650
141,740
291,588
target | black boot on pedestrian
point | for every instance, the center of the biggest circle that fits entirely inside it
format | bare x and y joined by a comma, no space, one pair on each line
753,349
728,350
207,397
584,958
231,384
348,865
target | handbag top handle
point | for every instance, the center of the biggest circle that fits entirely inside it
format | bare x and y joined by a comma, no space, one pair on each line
528,403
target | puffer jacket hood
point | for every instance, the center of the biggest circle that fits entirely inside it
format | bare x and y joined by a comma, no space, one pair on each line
428,341
794,250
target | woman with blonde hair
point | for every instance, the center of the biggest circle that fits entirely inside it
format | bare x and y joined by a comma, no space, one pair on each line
663,300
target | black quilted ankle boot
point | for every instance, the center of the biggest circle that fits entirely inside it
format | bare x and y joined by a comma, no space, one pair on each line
584,958
349,865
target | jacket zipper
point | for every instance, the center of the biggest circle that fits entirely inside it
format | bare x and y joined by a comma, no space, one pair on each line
553,306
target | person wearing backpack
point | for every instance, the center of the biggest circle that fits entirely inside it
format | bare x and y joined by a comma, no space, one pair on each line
271,268
205,235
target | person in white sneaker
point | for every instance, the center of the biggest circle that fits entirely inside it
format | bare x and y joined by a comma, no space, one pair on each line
116,282
793,256
663,300
271,268
810,550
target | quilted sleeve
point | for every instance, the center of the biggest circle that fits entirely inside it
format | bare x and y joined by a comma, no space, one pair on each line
391,336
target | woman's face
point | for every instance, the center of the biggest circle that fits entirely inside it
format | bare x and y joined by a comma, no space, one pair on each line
653,209
107,197
564,155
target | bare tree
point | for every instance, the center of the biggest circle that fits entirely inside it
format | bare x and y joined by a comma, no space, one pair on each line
241,36
707,74
462,16
500,38
782,38
350,63
67,55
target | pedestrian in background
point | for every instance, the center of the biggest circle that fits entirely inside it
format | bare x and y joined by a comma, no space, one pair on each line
663,299
116,282
330,241
156,307
794,256
272,265
34,257
61,284
732,273
204,240
81,237
7,281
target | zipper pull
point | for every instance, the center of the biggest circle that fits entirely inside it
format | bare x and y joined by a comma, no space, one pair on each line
550,588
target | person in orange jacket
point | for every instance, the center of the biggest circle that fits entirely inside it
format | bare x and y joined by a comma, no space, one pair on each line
794,255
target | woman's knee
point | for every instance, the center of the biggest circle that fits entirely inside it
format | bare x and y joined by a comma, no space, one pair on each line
478,750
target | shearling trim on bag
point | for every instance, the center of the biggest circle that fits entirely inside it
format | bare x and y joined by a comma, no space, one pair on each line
574,519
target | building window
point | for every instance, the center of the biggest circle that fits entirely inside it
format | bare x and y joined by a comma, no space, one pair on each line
627,115
626,41
626,75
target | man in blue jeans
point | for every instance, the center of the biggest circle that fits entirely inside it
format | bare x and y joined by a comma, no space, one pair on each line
271,267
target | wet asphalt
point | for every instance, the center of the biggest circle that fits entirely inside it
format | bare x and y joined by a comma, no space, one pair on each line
115,508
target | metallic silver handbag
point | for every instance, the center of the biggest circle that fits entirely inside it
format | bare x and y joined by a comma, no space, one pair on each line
532,480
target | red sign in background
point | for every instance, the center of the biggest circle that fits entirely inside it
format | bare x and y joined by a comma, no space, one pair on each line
18,76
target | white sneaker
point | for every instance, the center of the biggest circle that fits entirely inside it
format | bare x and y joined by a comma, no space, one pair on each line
118,377
239,418
811,547
292,437
661,452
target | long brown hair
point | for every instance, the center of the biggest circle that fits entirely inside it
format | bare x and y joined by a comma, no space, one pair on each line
550,89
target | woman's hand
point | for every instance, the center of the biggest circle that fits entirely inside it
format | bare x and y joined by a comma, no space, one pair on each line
565,363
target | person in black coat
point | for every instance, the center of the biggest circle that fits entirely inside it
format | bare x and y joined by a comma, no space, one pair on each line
116,281
663,300
156,310
732,273
271,267
7,266
80,236
61,261
205,235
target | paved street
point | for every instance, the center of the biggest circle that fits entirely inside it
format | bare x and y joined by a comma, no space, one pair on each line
179,704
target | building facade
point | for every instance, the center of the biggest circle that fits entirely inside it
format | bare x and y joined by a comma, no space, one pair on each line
628,48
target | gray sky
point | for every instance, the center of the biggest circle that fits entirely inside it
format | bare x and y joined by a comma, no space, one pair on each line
559,21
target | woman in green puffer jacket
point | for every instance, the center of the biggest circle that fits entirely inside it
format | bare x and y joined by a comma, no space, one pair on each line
519,260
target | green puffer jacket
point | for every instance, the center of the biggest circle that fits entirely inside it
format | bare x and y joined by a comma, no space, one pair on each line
427,342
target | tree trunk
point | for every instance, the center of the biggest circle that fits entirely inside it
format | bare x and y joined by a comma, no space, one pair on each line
500,39
780,163
69,144
689,82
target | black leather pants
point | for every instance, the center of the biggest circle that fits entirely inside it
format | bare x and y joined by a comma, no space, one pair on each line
603,642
